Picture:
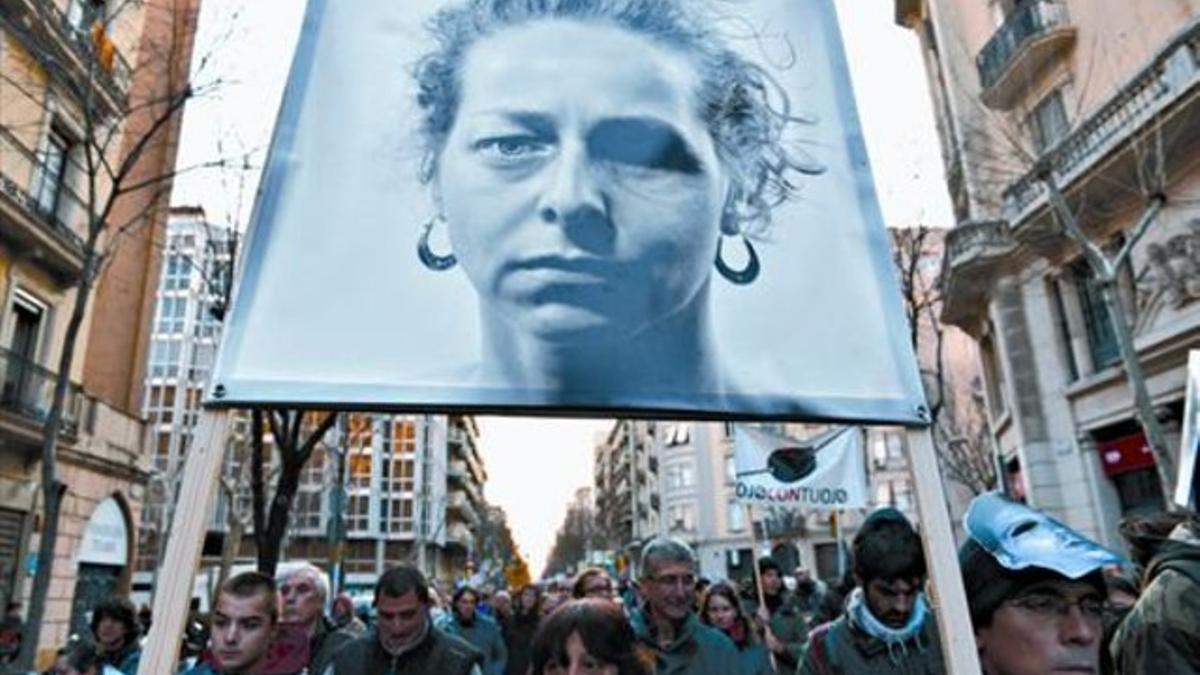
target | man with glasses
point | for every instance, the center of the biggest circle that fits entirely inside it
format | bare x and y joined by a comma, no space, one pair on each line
1035,589
666,624
886,626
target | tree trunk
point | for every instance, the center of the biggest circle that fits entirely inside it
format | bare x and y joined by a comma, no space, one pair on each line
1164,464
51,496
277,518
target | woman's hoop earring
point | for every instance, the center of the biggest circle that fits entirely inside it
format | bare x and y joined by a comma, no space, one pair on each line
431,260
747,274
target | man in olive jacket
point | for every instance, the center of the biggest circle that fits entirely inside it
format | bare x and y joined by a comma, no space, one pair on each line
887,627
405,641
666,624
1161,634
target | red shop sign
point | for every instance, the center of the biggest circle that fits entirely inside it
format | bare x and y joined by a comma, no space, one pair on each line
1125,454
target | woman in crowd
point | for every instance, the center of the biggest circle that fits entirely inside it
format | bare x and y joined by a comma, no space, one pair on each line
588,636
721,609
520,627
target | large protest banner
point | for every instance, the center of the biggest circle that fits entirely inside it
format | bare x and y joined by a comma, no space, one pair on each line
564,207
823,473
538,210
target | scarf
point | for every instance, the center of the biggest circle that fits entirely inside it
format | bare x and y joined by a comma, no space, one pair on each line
895,639
737,632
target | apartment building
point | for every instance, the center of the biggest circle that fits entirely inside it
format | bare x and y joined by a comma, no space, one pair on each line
625,487
412,489
1100,100
70,67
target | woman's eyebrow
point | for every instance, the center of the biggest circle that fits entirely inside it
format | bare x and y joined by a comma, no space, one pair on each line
536,122
644,141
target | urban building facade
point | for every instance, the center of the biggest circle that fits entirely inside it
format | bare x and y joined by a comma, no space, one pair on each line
192,292
625,484
413,491
1096,102
68,67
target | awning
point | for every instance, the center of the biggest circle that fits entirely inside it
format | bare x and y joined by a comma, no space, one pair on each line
1125,454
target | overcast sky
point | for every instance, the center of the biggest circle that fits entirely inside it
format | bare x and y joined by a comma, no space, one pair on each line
535,466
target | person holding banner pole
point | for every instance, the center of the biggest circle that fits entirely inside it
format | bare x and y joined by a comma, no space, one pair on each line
785,624
758,585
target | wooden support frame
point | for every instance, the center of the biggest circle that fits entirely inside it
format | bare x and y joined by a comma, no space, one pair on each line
948,596
198,485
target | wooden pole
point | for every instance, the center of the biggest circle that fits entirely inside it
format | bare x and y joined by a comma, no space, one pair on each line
762,598
949,598
197,487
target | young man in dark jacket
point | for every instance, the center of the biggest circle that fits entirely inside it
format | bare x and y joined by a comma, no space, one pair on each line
405,641
244,621
887,627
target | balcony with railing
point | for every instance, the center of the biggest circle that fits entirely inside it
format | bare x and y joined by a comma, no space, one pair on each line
45,225
85,52
458,534
458,504
1156,99
1033,36
974,250
26,394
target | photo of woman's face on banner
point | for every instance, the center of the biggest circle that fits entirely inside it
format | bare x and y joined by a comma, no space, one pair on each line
609,206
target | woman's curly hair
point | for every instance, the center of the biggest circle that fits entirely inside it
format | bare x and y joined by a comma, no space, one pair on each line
746,110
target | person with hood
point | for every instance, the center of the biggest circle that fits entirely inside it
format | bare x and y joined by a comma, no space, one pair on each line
1161,634
887,626
666,624
1035,589
466,621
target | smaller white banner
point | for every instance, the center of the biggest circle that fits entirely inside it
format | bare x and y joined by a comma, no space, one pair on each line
825,472
1186,487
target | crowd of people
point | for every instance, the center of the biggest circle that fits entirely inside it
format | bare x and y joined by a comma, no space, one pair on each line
1043,599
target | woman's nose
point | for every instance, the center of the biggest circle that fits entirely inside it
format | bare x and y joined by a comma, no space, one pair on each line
572,194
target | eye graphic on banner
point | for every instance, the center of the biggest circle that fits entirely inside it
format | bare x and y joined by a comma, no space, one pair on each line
792,464
825,472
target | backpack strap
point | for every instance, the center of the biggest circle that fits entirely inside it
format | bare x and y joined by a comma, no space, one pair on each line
819,644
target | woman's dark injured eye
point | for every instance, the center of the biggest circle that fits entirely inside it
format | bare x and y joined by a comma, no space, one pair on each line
643,143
